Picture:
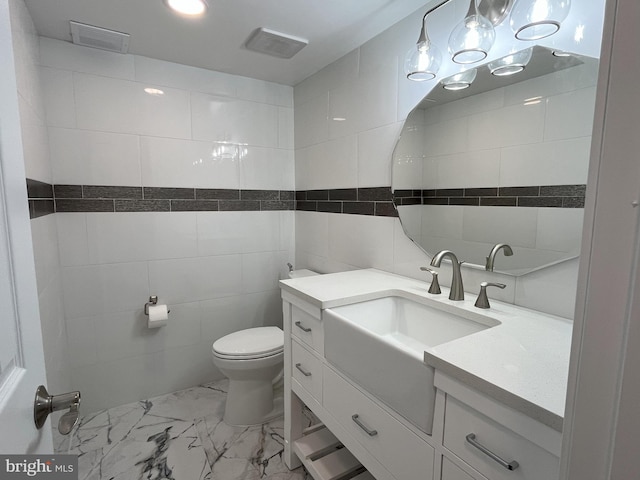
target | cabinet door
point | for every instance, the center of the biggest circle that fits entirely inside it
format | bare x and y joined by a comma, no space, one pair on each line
404,454
307,329
307,370
450,471
467,433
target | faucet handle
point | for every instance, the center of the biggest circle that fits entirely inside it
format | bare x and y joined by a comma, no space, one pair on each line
435,285
483,300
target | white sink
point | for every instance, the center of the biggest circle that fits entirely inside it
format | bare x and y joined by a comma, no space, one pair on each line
380,345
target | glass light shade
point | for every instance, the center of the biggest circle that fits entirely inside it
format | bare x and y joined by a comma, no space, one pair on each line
460,81
471,40
536,19
422,62
511,64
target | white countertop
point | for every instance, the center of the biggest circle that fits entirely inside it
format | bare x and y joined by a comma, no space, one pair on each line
523,362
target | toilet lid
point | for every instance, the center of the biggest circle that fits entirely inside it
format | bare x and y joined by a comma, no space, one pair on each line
260,341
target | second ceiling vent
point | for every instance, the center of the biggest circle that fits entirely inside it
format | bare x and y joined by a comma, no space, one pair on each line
275,43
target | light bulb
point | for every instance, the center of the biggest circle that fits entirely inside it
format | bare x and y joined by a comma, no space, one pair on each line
471,39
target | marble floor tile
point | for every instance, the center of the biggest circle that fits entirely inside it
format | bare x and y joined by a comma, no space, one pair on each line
178,436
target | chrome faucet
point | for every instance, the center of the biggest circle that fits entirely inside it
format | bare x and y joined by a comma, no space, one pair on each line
457,289
494,251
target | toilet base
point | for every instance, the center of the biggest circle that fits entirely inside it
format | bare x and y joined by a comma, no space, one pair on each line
252,403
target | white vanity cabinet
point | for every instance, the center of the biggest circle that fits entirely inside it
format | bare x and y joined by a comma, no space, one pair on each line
387,447
474,436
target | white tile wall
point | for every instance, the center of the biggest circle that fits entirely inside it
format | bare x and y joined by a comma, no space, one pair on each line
375,148
218,271
560,162
59,98
91,157
216,118
66,56
112,105
129,237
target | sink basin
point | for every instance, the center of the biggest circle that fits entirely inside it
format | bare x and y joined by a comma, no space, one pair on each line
380,345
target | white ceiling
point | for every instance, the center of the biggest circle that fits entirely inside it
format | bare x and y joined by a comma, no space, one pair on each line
215,41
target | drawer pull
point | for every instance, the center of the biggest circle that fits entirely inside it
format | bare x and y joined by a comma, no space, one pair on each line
302,327
356,418
304,372
471,438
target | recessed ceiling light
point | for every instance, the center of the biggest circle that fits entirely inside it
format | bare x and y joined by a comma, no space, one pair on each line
154,91
188,7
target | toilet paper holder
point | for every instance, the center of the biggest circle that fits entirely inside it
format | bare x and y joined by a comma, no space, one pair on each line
153,300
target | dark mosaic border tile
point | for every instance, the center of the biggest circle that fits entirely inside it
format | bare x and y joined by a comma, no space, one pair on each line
84,205
379,201
473,201
108,198
239,205
169,193
67,191
41,207
548,196
194,205
260,195
103,191
145,205
217,194
37,189
354,201
359,208
350,194
270,205
375,194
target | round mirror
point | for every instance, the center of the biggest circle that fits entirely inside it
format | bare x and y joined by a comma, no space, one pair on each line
502,161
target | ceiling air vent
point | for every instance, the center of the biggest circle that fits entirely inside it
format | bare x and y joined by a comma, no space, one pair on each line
97,37
275,43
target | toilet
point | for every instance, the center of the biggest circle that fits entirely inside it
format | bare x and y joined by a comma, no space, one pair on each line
252,360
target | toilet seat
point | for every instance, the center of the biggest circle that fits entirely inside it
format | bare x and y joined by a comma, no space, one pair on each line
252,343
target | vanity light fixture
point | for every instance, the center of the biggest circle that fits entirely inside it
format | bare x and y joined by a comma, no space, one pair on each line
472,38
423,60
460,81
511,64
188,7
536,19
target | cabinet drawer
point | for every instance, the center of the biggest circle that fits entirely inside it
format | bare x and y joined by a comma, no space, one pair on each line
404,454
534,463
307,328
307,370
452,472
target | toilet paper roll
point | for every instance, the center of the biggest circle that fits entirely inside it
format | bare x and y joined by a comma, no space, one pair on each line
158,316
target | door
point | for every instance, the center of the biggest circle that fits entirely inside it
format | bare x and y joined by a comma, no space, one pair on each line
21,355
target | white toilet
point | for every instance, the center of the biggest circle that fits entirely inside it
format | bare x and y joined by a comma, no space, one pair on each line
252,360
